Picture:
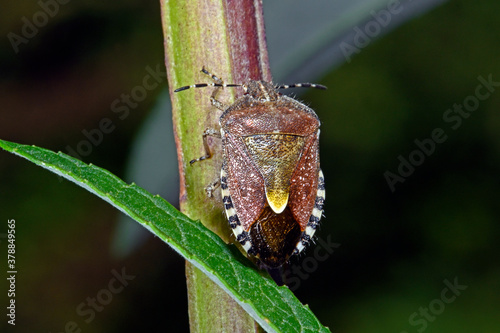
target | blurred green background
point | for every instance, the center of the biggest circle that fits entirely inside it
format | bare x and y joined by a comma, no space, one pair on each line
396,250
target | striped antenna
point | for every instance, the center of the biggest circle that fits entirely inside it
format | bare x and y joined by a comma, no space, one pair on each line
302,85
217,83
202,85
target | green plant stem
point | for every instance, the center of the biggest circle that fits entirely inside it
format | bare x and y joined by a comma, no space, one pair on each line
227,38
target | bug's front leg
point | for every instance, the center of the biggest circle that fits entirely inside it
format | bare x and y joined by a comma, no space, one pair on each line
213,98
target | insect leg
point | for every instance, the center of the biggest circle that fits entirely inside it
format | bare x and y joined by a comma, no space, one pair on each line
219,84
212,187
208,153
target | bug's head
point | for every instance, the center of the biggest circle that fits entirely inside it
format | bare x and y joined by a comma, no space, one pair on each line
261,91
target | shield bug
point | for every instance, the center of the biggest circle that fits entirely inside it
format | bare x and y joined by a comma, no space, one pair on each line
272,187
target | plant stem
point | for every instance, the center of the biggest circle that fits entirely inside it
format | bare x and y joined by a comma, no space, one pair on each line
228,38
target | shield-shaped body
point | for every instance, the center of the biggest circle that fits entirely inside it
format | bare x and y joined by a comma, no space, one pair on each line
272,185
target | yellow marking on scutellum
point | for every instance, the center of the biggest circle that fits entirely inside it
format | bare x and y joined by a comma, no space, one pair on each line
277,199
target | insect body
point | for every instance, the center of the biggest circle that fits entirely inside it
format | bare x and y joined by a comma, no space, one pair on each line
272,187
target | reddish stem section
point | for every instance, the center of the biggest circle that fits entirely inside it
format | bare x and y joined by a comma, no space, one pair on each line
247,41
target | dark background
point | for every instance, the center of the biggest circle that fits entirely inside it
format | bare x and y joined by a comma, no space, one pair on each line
394,249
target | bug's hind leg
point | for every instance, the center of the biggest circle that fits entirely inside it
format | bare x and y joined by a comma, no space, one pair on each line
212,187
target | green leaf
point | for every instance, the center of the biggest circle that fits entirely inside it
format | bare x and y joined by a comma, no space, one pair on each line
275,308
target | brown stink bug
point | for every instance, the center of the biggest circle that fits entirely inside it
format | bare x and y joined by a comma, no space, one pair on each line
272,187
